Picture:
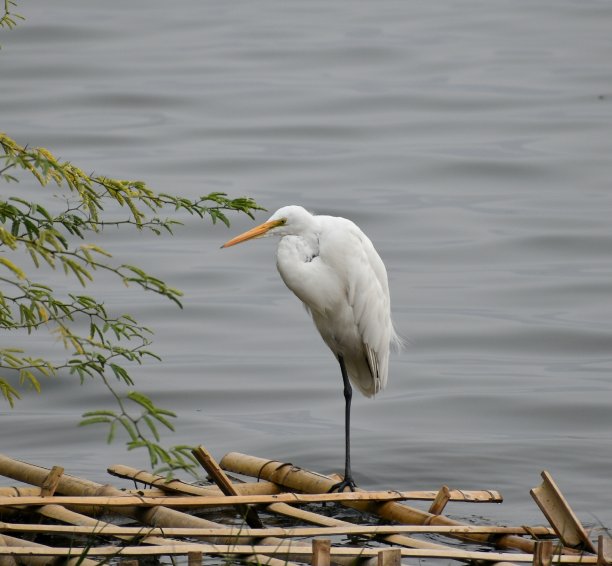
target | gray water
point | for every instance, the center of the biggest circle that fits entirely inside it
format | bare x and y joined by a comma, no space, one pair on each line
470,140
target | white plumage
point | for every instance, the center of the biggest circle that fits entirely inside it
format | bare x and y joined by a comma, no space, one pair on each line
333,268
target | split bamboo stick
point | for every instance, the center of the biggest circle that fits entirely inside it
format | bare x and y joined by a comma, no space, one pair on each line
556,509
292,477
206,460
194,501
109,529
293,551
49,486
269,488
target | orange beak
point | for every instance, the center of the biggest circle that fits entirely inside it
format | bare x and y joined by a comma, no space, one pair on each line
256,232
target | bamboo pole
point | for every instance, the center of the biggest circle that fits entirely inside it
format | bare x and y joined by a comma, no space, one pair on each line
49,486
70,485
195,501
390,557
439,503
108,529
292,477
206,460
321,552
269,488
294,551
288,510
301,514
244,488
279,508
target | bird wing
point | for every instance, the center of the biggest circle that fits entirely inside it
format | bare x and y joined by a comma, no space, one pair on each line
364,278
338,275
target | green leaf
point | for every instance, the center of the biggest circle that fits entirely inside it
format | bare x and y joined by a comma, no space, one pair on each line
164,421
142,400
121,374
9,392
151,426
16,270
101,412
111,432
95,420
128,425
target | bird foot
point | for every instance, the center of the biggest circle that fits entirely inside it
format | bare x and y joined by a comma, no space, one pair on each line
341,486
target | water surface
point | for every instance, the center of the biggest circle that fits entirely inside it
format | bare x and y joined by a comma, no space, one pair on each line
471,142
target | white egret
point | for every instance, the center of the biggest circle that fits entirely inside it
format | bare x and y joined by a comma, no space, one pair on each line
333,268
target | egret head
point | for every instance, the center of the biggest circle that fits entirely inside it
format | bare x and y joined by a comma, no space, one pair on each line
289,220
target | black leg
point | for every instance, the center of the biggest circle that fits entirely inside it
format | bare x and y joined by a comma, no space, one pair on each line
348,395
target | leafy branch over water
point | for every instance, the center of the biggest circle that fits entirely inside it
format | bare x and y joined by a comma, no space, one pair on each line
97,343
9,19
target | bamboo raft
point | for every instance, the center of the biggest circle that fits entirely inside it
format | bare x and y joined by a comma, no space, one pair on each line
62,519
